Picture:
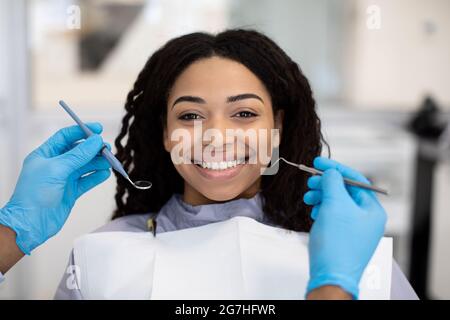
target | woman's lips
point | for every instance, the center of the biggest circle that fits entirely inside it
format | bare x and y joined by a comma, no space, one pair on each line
220,174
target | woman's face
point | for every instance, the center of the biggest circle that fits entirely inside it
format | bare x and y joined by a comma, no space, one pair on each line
207,105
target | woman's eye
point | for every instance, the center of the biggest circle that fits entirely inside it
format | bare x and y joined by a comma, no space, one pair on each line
189,116
245,114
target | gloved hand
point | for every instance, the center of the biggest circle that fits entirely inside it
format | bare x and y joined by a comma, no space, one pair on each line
348,225
53,177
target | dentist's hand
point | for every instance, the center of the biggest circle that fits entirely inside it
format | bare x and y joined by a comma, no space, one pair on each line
348,225
53,177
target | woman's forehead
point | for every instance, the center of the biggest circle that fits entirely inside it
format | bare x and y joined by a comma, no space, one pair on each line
217,78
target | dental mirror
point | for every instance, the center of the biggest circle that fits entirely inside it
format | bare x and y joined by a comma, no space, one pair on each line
141,184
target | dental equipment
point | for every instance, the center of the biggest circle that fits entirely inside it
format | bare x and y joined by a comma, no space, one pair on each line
141,185
347,181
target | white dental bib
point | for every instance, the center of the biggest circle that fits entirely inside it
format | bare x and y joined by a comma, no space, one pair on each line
238,258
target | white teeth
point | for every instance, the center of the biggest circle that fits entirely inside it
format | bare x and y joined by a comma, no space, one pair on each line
222,165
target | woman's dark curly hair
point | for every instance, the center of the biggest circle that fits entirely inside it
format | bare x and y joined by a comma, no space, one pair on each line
144,157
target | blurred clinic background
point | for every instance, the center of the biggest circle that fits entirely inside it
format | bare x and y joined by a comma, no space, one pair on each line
380,70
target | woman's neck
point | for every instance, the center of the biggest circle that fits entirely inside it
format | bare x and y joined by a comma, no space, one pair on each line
195,198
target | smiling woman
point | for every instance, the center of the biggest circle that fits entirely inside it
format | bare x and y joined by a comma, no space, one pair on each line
216,80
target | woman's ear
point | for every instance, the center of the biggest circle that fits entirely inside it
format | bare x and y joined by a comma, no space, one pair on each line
166,140
279,117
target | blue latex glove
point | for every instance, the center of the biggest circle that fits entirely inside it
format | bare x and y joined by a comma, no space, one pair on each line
348,225
53,177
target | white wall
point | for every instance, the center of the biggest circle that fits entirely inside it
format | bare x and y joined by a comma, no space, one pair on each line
439,280
408,57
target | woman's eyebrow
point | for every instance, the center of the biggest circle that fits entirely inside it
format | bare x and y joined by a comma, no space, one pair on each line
189,99
229,99
244,96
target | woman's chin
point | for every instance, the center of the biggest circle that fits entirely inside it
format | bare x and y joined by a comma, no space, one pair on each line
225,192
217,194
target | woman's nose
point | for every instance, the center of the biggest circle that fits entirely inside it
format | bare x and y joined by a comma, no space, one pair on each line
231,140
218,125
